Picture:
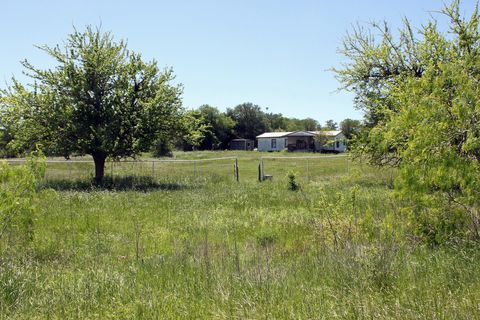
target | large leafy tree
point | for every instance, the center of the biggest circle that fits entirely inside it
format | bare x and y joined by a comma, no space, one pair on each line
250,120
330,125
310,124
221,125
350,127
195,129
101,99
276,122
427,117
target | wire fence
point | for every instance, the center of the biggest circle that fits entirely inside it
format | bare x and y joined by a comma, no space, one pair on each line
306,168
157,170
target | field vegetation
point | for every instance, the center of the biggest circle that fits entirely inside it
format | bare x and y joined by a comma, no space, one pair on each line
247,235
342,245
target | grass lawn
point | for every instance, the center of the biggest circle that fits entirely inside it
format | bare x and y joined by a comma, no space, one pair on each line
214,248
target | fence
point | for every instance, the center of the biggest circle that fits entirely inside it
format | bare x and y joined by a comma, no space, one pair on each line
306,168
158,170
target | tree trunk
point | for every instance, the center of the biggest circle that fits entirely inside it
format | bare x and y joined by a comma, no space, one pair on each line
99,160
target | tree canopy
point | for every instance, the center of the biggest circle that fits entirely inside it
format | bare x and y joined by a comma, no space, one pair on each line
221,128
421,93
250,120
331,125
101,99
350,127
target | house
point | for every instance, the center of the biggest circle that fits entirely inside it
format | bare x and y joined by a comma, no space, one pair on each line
293,141
334,141
304,141
242,144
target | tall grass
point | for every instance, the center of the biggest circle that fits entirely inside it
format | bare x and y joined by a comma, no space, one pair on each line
337,248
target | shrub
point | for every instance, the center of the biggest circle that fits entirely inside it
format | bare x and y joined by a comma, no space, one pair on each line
163,148
17,192
293,185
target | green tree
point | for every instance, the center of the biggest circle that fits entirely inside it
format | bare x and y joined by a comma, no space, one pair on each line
294,124
429,121
376,61
250,120
101,99
350,127
5,139
330,125
221,131
310,124
276,122
195,129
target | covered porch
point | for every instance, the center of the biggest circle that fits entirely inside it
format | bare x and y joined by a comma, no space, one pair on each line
299,143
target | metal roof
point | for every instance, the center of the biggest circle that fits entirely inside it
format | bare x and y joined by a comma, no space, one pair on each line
273,134
301,134
332,133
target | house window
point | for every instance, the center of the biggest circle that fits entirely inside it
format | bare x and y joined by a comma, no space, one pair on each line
338,144
274,143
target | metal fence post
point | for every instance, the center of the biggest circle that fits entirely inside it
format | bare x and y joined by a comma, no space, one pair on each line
261,170
111,169
308,175
153,169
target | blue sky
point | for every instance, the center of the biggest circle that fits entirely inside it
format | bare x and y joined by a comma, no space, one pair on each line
273,53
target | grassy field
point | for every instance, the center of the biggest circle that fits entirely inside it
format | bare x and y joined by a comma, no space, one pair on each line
207,247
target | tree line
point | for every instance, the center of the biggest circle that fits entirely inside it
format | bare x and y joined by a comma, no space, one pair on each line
208,128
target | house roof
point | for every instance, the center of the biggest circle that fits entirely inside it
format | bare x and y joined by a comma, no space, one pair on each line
286,134
273,134
332,133
301,134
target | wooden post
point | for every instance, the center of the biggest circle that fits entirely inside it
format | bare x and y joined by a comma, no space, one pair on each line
194,169
236,170
262,168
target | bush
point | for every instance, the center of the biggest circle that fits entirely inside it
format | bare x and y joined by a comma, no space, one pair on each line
18,186
163,148
293,185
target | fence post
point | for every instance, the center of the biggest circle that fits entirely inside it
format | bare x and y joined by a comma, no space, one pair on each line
111,169
194,168
262,168
308,175
236,170
153,169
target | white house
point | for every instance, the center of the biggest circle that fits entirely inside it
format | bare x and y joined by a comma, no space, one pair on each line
301,141
336,141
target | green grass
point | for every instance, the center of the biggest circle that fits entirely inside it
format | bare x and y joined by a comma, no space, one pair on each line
215,248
